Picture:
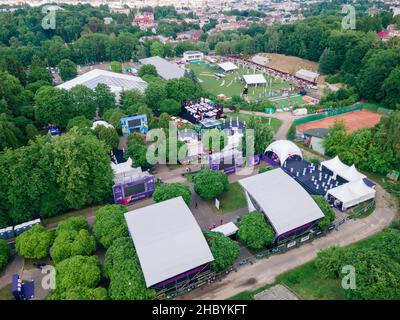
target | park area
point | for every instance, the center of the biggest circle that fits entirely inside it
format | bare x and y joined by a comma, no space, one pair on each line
293,101
230,85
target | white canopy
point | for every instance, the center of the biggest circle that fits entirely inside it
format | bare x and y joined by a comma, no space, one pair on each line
227,66
352,193
283,200
101,123
226,229
167,239
284,149
254,79
349,173
123,172
335,165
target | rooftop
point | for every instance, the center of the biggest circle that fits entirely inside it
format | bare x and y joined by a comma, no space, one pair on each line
165,69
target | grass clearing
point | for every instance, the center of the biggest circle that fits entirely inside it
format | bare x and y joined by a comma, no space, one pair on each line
275,123
231,200
230,85
5,293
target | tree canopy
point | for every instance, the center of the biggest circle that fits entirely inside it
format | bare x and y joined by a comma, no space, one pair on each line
34,243
209,184
329,214
167,191
4,253
254,231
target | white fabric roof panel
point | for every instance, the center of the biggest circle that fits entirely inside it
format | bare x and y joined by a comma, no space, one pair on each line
284,201
228,66
335,165
226,229
353,193
167,239
165,69
284,149
116,81
254,79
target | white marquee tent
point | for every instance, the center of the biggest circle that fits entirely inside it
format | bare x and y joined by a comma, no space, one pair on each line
227,66
254,79
284,149
352,193
349,173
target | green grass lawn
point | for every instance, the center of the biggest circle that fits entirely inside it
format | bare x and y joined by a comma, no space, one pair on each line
287,102
228,85
231,200
275,123
5,293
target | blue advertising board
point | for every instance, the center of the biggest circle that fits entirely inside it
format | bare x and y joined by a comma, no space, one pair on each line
134,124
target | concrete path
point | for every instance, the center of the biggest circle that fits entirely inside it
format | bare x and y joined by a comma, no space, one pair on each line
265,271
15,266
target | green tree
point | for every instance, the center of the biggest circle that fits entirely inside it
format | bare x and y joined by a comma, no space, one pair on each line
31,131
155,93
181,89
170,106
167,191
336,140
10,135
110,224
80,122
329,214
116,66
209,184
105,99
4,253
263,134
123,268
147,69
67,69
79,293
72,224
254,231
34,243
157,49
70,243
108,135
391,88
224,250
83,101
114,116
135,138
132,98
53,106
137,153
78,271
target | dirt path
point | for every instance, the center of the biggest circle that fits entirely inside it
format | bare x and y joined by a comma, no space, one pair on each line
251,277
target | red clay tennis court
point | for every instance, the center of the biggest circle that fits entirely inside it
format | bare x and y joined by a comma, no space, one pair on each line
353,120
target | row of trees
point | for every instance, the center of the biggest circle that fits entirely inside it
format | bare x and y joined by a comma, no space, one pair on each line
375,150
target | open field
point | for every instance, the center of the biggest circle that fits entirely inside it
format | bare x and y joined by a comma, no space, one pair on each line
230,85
353,120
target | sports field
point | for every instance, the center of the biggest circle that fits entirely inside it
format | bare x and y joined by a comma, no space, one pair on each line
353,120
230,85
294,101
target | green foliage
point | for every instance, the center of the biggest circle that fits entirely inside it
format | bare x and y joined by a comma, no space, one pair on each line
79,293
137,153
264,169
167,191
83,101
80,122
72,224
254,231
31,131
67,69
107,135
4,253
116,66
263,134
78,272
104,98
135,138
224,250
10,135
326,209
182,89
113,116
209,184
170,106
155,93
110,224
122,267
147,69
132,100
70,243
34,243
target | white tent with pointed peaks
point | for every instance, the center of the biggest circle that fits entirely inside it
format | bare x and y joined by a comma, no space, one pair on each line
284,149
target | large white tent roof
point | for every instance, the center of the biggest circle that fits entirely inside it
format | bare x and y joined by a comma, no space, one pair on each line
285,203
227,66
167,239
115,81
284,149
349,173
254,79
165,69
353,193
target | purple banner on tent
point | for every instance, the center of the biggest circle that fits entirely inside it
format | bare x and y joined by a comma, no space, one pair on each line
269,161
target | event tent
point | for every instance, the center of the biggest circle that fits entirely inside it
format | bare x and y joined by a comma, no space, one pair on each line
307,75
165,69
352,193
227,66
167,239
227,229
253,79
349,173
284,149
117,82
282,199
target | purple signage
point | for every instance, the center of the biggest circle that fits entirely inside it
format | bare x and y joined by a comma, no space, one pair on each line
126,193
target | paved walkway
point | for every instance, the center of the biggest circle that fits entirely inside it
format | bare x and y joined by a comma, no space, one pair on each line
15,266
265,271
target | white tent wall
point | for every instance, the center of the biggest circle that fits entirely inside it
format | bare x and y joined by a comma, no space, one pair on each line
352,193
